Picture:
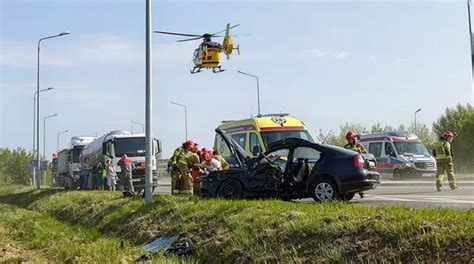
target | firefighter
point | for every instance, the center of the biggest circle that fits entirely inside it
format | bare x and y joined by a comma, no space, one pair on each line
224,163
354,145
444,160
175,174
187,160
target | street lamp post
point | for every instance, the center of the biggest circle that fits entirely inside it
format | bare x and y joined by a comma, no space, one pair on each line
44,145
34,131
185,118
258,88
137,123
415,117
148,107
57,142
44,132
38,104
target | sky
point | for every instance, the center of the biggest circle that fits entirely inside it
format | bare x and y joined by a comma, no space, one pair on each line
325,62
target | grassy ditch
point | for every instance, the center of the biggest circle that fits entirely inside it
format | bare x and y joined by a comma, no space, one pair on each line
34,237
266,231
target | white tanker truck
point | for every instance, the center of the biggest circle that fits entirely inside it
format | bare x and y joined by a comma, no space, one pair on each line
65,167
116,143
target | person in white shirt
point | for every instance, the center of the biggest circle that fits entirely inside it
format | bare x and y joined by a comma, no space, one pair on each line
111,175
210,164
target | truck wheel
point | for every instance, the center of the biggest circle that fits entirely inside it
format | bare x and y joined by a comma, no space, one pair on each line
397,175
230,189
324,189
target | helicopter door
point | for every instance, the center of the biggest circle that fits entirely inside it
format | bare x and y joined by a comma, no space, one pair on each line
197,57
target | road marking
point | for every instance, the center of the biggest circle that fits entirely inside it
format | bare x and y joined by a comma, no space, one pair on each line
425,199
441,200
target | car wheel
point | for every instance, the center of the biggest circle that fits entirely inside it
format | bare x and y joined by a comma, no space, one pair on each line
347,196
397,175
324,189
230,189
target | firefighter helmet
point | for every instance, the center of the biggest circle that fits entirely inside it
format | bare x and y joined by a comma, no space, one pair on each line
350,135
448,134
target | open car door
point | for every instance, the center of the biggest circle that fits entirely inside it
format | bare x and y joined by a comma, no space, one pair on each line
235,149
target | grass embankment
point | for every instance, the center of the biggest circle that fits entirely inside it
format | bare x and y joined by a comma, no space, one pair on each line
29,236
266,231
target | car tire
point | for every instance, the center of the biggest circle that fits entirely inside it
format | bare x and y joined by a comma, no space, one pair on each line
324,189
397,175
347,196
230,189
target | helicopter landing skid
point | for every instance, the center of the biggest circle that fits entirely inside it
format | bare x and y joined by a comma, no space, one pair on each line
217,69
195,70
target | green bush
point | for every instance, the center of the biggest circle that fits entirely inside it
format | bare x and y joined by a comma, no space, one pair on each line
14,166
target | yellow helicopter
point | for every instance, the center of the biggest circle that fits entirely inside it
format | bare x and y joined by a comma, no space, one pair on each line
207,55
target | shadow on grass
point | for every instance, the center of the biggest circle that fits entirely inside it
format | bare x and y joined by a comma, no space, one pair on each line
119,217
27,198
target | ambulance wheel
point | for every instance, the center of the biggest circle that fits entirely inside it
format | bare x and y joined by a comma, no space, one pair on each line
230,189
397,175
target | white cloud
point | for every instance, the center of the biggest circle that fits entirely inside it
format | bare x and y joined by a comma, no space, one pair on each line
327,53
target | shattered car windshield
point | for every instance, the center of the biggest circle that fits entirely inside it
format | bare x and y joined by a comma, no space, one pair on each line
271,136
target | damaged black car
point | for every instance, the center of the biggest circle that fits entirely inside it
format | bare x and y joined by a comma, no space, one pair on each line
292,169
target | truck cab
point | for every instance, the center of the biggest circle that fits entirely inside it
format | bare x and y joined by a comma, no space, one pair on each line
400,155
114,144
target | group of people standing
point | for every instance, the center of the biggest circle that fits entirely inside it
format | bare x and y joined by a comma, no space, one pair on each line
189,163
98,177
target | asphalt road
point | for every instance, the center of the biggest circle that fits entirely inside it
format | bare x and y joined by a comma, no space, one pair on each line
407,193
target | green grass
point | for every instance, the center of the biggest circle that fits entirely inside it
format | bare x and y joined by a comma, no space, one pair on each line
57,241
264,231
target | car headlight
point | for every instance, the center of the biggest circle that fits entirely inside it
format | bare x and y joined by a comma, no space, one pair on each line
408,164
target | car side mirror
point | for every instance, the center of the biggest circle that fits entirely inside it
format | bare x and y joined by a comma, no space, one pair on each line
256,150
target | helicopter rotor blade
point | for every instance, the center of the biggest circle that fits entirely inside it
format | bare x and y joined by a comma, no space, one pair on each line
225,30
177,34
189,39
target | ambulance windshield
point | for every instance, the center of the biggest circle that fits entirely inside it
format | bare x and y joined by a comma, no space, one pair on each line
133,147
272,136
411,148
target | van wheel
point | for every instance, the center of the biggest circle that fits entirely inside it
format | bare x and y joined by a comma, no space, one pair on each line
230,189
324,189
347,196
397,175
